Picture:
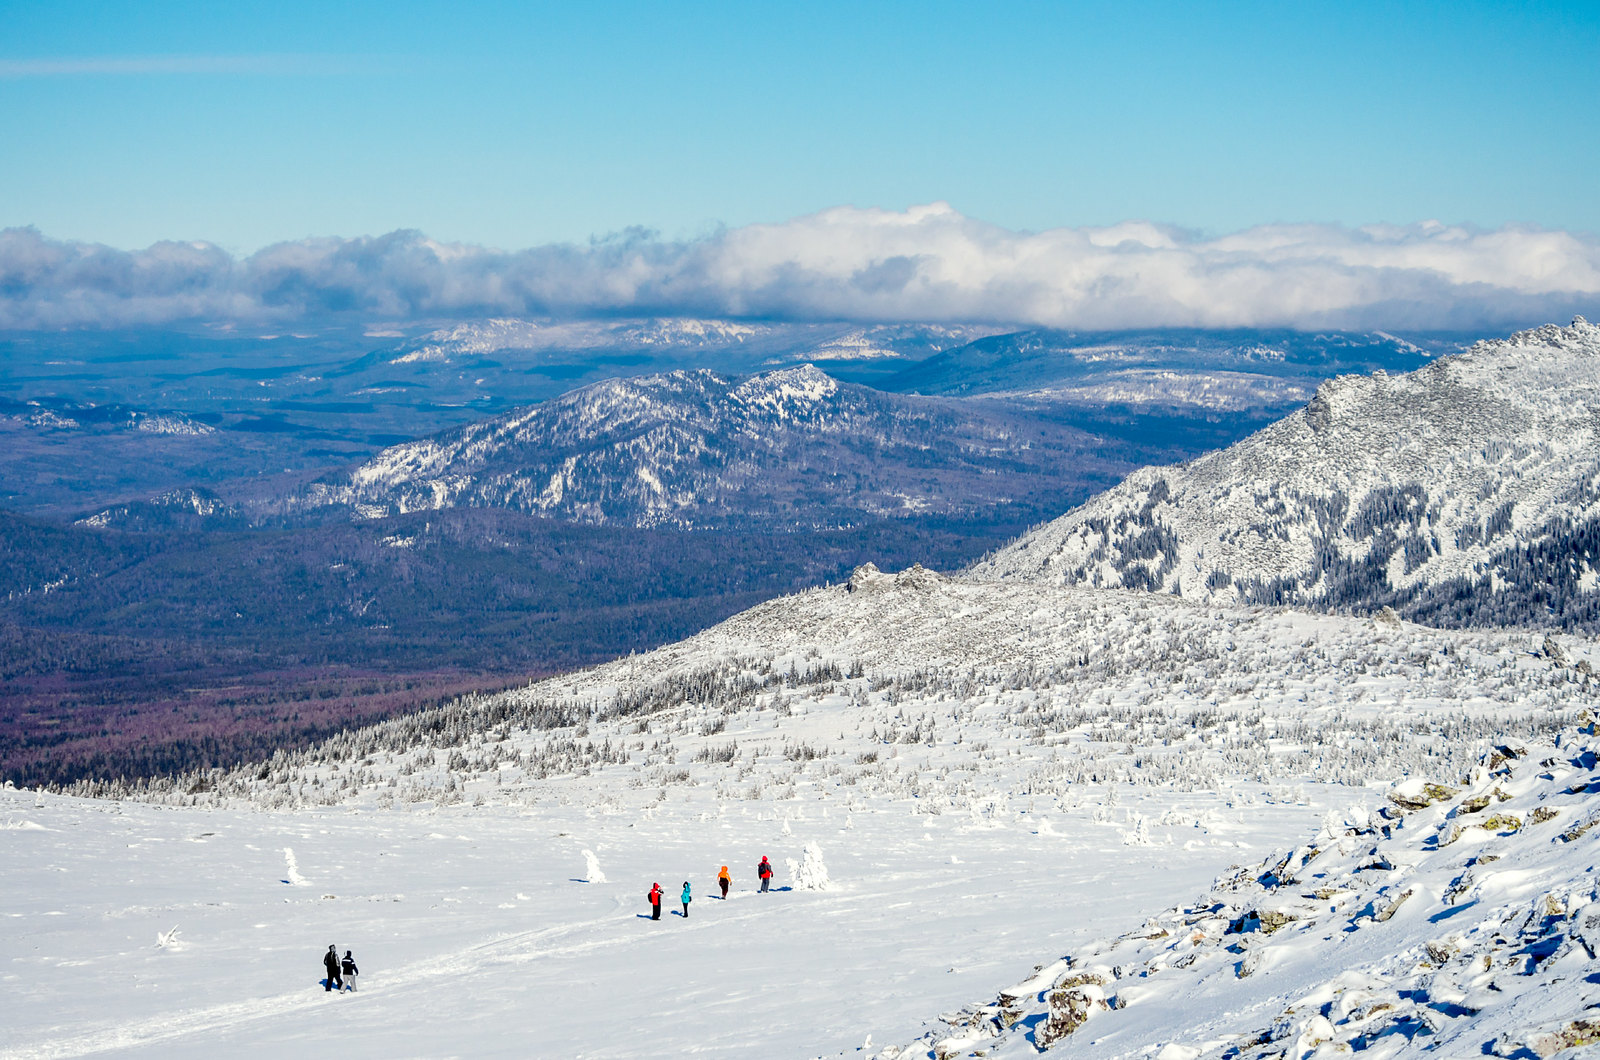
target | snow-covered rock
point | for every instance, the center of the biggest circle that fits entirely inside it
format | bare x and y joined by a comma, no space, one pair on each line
1465,926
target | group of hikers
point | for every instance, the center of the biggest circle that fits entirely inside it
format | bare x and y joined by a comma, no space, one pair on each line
341,972
724,881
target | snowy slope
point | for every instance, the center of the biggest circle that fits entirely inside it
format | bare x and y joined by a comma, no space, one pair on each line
1463,919
1466,491
953,777
481,931
1090,684
696,449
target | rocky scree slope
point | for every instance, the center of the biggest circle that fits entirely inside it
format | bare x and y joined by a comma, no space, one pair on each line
786,449
1462,919
1464,493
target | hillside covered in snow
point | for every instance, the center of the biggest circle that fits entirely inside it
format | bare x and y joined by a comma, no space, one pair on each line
954,779
1466,492
785,449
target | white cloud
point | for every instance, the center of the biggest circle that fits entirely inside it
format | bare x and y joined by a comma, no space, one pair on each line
928,263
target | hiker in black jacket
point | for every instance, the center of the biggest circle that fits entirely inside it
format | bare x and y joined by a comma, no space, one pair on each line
330,961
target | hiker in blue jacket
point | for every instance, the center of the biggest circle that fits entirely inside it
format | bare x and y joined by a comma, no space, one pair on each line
687,898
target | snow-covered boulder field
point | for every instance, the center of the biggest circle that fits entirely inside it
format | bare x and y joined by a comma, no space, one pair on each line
1460,919
955,781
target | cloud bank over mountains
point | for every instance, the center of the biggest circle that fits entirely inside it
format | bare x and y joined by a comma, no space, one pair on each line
927,263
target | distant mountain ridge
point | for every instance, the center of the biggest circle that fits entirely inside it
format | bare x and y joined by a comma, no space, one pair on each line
1165,366
1042,356
1466,492
738,345
697,449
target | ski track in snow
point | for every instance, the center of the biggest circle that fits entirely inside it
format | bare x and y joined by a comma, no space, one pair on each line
516,948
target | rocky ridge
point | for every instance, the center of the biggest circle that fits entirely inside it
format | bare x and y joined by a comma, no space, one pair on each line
1466,492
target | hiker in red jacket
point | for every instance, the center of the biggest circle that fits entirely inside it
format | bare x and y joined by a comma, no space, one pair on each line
764,870
655,901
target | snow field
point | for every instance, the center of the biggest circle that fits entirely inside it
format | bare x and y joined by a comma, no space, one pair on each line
993,775
476,937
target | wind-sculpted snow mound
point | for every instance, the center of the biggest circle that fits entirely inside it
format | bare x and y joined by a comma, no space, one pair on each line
1463,919
1466,492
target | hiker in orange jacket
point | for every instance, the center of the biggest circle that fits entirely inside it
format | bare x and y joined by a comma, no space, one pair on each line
724,881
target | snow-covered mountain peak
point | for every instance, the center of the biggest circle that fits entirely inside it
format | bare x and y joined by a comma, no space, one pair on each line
1462,491
1579,333
694,448
856,346
787,390
690,331
473,337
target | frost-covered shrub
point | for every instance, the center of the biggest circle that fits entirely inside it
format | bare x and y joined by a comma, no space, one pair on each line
810,874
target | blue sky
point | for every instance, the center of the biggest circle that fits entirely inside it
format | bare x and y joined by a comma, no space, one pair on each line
523,124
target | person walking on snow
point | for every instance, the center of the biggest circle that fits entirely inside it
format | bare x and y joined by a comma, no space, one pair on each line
724,881
764,870
348,969
330,962
686,898
655,901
